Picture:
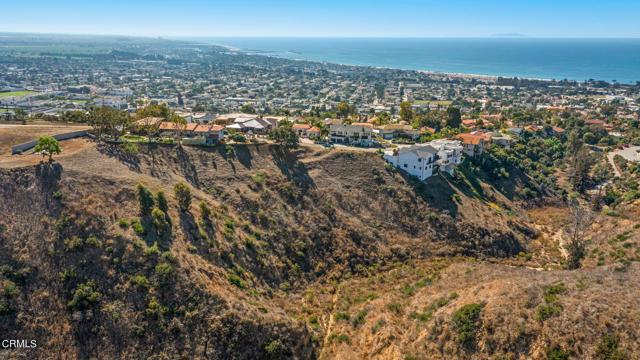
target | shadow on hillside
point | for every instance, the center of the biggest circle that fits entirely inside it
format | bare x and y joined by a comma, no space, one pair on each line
116,151
189,170
292,167
436,191
243,155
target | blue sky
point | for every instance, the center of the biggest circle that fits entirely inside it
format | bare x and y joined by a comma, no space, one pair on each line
349,18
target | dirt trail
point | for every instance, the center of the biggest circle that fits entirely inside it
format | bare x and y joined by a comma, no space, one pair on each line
329,323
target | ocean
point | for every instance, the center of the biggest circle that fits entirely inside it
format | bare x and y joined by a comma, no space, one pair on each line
573,59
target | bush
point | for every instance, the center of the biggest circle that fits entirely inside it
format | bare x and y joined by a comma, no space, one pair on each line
160,222
359,318
183,195
164,273
557,353
155,309
145,200
546,311
275,350
466,322
205,214
140,280
236,280
130,148
608,349
138,228
161,200
124,224
84,296
259,178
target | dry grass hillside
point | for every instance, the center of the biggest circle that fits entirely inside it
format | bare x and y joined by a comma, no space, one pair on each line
303,256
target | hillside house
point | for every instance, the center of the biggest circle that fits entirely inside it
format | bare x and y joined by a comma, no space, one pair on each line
450,153
395,131
473,144
306,131
417,160
353,134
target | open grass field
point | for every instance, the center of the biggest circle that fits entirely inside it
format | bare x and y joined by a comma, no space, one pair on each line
15,93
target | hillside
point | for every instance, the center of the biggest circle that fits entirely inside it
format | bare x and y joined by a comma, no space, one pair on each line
293,240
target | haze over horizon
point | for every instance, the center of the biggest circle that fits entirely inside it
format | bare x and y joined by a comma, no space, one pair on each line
358,18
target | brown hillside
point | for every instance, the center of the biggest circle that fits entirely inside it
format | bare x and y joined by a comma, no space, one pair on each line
86,275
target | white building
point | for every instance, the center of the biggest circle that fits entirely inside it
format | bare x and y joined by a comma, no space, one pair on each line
417,160
449,152
355,134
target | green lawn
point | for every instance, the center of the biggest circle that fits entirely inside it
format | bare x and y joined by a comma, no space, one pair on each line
15,93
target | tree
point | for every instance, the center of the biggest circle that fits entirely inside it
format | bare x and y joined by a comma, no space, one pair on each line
145,200
161,200
285,136
247,109
183,195
343,110
20,114
580,170
109,121
48,145
454,117
406,111
181,124
160,222
580,220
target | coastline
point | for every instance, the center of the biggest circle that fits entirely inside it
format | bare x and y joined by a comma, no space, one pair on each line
459,75
537,59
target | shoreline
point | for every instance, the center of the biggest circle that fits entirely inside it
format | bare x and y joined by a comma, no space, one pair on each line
459,75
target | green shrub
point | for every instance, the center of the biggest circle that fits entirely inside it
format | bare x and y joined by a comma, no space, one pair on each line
76,243
557,353
152,250
162,202
73,243
341,315
9,288
236,280
466,322
275,350
378,325
340,338
155,309
164,272
130,148
84,296
359,318
259,178
608,349
145,200
140,281
124,224
546,311
183,196
138,228
160,222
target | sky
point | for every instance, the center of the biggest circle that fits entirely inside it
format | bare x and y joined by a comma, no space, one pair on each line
325,18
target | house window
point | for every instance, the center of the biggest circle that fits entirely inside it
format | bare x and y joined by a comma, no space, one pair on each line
405,165
419,159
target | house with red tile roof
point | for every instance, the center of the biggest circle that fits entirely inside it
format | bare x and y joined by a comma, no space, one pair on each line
473,145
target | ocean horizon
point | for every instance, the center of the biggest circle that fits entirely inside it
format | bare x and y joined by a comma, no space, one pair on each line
577,59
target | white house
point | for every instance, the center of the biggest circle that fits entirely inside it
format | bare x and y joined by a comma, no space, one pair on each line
450,154
417,160
356,133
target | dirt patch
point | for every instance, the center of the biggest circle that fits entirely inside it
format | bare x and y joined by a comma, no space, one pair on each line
11,135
